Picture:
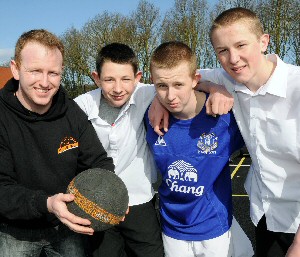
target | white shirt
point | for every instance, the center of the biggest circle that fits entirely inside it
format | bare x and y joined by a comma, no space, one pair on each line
125,140
269,121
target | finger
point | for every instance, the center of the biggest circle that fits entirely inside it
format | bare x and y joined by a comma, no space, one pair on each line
77,224
228,106
151,120
67,197
166,123
150,115
158,131
70,217
208,107
80,229
216,108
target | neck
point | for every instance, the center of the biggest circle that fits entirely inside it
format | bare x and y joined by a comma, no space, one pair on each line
262,77
197,103
29,106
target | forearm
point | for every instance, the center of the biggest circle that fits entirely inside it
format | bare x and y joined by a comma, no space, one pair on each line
20,203
209,87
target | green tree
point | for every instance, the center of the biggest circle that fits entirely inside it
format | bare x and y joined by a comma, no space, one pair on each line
281,20
146,34
76,71
101,30
188,21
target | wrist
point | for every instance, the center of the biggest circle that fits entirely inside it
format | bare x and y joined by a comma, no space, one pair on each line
213,88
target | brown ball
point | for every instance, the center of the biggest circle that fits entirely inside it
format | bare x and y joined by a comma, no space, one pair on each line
100,196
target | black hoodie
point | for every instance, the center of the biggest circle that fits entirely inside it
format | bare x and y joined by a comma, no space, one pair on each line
40,154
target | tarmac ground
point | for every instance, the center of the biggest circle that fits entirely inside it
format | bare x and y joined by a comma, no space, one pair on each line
239,167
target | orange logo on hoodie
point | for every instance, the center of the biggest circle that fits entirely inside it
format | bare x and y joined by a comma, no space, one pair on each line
67,144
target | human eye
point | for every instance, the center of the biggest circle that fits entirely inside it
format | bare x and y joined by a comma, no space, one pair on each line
108,79
161,85
35,72
178,84
54,74
222,51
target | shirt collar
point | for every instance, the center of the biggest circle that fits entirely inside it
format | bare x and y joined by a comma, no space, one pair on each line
277,83
97,98
132,101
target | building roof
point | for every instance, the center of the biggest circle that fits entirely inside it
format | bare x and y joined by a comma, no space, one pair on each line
5,75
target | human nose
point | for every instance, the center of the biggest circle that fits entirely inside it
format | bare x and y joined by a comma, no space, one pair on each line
118,86
44,79
234,56
171,94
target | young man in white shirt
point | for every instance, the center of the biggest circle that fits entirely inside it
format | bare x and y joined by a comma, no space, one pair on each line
116,109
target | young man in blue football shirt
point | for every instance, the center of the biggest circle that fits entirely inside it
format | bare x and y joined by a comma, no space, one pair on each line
193,158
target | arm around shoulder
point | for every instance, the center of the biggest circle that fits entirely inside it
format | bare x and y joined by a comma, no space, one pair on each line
220,101
158,116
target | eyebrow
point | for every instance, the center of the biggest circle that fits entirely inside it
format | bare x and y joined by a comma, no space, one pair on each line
236,43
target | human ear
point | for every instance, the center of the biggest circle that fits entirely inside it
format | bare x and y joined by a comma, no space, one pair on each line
138,77
14,69
96,78
264,42
196,79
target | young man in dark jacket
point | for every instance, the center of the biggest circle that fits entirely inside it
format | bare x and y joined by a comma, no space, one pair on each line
45,140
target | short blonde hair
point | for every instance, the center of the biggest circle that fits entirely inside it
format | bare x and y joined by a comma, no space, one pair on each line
171,54
40,36
238,14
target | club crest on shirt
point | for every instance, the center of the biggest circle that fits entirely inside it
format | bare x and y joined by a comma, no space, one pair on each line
207,143
160,141
181,178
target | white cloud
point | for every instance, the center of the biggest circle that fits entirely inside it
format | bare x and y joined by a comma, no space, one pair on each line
6,54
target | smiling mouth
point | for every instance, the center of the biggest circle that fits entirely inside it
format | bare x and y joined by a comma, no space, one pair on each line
117,97
40,90
238,69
